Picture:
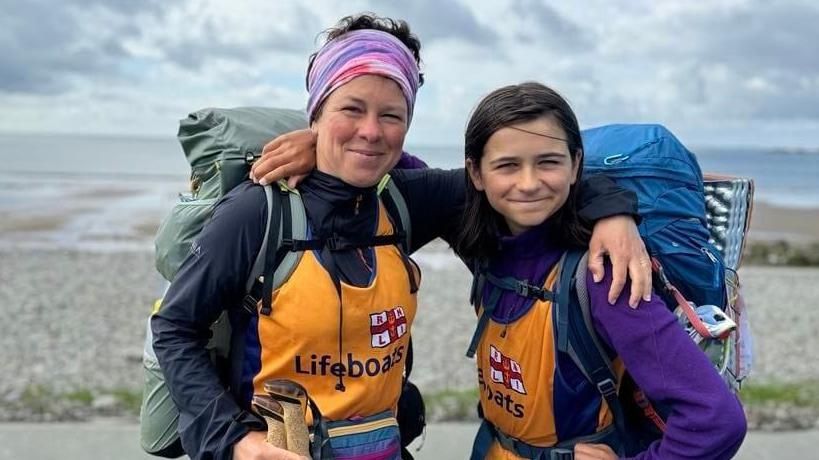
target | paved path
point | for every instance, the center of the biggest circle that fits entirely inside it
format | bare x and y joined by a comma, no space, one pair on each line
117,440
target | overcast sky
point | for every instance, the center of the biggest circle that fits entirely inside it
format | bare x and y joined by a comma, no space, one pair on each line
728,72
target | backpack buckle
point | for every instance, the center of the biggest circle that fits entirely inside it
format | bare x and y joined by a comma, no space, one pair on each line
249,303
332,243
527,290
561,454
607,388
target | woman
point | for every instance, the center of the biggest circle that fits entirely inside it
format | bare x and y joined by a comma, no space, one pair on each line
362,86
524,157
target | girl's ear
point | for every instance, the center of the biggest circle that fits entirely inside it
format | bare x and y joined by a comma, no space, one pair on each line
576,165
474,171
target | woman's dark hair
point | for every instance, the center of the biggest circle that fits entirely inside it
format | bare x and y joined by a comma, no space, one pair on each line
511,105
398,28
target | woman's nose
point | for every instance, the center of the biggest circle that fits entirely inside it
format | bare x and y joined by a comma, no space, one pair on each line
369,128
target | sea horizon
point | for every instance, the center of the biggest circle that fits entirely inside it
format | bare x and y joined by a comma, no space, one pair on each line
110,192
784,176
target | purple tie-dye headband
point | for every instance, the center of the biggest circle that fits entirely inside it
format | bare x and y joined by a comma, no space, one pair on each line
362,52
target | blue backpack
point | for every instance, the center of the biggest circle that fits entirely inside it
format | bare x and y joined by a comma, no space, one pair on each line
688,269
650,161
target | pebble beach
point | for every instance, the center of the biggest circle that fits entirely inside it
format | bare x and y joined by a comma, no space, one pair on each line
75,325
77,283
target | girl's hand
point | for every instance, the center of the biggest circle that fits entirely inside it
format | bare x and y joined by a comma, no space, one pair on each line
593,452
291,155
254,447
618,237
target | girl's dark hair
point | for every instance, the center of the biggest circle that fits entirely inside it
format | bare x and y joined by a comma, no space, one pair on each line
510,105
398,28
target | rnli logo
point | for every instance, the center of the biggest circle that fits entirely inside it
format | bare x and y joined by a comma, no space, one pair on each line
506,371
387,327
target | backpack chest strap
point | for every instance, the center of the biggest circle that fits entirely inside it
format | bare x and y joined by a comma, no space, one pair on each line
340,243
498,285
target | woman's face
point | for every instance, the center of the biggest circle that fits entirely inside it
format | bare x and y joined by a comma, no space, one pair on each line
526,177
360,131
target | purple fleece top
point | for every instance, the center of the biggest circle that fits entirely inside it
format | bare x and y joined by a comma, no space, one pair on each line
707,420
408,161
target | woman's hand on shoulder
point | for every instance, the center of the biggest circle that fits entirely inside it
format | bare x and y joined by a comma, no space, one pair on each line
593,452
290,155
253,446
618,237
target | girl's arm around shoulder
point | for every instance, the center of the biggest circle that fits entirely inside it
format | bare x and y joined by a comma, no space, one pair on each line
706,420
210,280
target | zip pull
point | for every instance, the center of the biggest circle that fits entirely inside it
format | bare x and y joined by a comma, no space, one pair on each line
715,279
708,254
618,158
358,201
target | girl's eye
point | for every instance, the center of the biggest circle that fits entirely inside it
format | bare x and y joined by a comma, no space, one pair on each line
506,166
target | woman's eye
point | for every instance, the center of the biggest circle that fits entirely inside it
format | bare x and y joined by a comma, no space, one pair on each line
393,116
351,109
506,166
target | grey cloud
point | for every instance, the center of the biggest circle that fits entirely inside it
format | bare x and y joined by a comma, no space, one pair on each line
714,53
763,35
436,20
788,99
41,44
217,43
551,27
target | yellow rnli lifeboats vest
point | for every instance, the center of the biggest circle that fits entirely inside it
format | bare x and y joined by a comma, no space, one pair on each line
347,352
524,394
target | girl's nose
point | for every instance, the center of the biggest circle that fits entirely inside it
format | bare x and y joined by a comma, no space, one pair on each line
528,180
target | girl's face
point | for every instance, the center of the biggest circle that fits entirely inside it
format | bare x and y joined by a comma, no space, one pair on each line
525,175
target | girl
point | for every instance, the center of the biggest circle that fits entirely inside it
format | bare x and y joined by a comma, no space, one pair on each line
524,157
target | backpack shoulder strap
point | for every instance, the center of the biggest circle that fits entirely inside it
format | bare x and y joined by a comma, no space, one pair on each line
294,215
578,338
258,265
397,208
580,313
275,262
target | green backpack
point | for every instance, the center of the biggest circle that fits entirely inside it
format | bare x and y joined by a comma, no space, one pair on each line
221,145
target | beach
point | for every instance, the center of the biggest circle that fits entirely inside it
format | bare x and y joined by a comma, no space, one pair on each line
792,224
76,318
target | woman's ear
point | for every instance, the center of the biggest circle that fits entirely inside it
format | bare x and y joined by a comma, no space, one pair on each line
578,159
474,171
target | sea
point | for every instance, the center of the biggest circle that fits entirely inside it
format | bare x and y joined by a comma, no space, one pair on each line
110,193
